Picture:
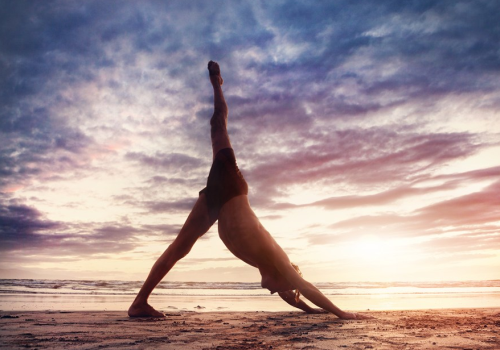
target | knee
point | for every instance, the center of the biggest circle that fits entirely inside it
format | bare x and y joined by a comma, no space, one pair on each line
178,251
220,113
218,121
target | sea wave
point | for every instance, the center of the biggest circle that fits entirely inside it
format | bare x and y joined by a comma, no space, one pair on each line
113,287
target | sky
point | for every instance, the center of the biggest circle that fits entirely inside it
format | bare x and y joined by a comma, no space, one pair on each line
368,132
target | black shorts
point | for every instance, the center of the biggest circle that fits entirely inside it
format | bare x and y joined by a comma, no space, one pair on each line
224,182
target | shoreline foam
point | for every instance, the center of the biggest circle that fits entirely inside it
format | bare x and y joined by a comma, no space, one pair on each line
239,303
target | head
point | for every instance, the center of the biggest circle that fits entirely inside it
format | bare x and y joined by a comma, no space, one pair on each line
273,280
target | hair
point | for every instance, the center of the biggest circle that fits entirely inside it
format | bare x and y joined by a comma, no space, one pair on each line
297,293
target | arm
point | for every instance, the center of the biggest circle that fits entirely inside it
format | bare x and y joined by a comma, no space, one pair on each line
308,290
289,297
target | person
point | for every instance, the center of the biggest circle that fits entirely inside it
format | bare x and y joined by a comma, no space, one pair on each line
225,199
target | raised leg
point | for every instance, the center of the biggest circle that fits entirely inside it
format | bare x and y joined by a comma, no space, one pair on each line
218,123
196,225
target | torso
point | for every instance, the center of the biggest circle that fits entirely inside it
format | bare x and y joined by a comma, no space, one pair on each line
244,235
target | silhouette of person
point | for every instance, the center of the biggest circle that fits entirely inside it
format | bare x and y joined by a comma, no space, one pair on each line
225,199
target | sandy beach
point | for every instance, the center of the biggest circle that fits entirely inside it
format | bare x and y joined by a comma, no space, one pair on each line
415,329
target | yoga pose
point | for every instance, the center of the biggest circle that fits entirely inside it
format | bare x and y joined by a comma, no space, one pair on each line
225,199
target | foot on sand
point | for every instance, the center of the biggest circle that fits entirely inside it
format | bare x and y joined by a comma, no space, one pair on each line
214,70
143,310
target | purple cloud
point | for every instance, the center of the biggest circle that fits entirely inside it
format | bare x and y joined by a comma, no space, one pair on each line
369,96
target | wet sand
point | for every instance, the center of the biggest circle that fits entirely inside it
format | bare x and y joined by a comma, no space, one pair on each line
415,329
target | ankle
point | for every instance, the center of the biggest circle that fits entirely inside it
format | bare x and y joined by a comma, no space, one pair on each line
216,81
139,300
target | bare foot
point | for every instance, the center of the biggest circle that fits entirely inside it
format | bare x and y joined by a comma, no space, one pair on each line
143,310
214,70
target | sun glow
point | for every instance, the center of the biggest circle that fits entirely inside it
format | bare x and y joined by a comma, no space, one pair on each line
372,248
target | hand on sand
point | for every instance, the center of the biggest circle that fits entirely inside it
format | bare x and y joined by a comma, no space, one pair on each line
143,310
214,72
354,316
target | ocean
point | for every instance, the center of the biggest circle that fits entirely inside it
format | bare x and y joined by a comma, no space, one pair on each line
74,295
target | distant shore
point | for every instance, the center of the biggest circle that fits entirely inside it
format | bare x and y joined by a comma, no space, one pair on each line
415,329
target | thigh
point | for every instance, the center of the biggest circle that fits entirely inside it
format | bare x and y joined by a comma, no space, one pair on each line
196,225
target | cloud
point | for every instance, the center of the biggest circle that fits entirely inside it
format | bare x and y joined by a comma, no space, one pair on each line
402,192
35,145
165,229
184,205
361,157
23,228
463,224
468,218
381,198
171,163
477,208
350,98
465,243
77,41
20,226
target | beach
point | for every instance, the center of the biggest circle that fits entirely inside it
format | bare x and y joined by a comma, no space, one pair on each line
78,314
412,329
